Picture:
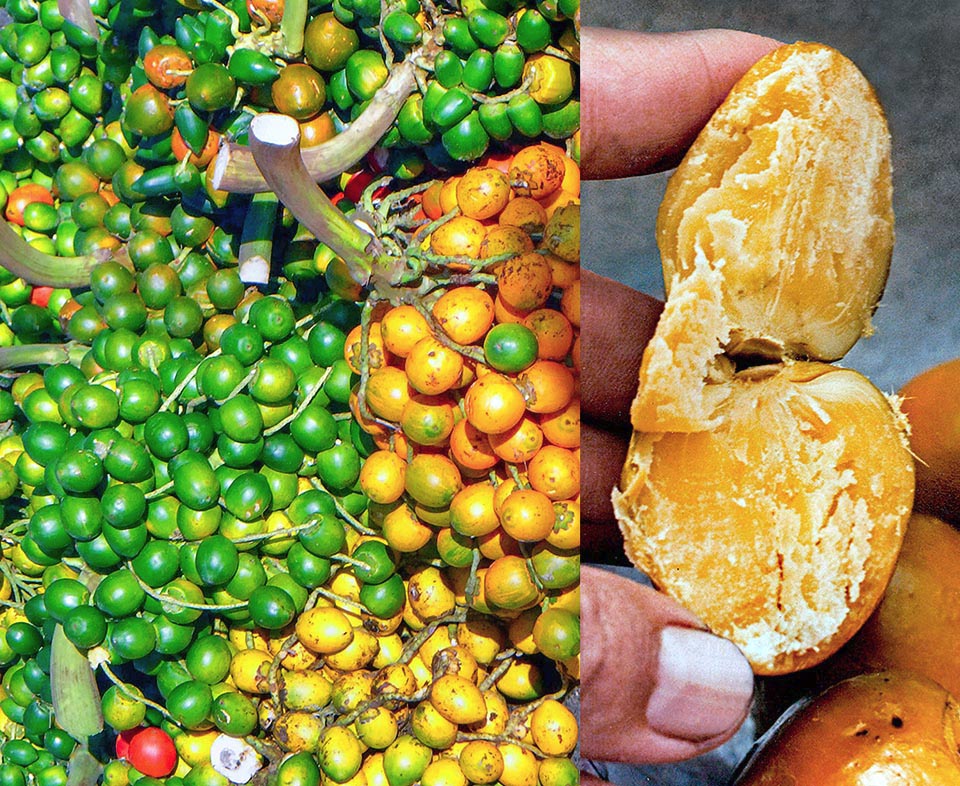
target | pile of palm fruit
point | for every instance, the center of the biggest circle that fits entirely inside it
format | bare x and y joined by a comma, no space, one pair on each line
289,344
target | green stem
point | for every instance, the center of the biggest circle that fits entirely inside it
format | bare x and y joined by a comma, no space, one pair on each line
83,768
515,474
343,558
381,700
274,671
474,353
499,671
291,26
302,405
41,355
333,597
159,491
122,687
256,238
236,170
345,514
284,533
472,588
275,143
191,375
243,383
365,412
521,89
229,13
500,739
40,269
183,604
522,713
413,644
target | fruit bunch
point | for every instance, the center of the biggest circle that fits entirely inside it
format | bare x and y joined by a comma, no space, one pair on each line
289,473
204,530
111,118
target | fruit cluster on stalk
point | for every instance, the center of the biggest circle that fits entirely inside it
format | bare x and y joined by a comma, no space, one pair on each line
289,472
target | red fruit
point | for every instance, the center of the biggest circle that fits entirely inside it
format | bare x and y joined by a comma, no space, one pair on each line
356,185
41,296
377,159
22,196
152,752
123,741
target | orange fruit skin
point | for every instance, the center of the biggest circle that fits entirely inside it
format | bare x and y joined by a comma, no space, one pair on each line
483,192
933,409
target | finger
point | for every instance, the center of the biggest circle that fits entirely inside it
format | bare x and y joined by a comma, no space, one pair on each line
591,780
645,96
656,686
617,322
603,453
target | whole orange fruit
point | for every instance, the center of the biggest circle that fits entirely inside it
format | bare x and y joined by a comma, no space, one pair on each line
931,405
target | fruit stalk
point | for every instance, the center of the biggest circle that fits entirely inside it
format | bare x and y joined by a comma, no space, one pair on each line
237,172
40,354
40,269
84,769
256,240
292,26
275,144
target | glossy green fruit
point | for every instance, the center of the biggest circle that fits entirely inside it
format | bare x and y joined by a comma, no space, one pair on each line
533,31
148,112
252,67
467,140
366,73
211,87
327,43
271,607
488,28
402,28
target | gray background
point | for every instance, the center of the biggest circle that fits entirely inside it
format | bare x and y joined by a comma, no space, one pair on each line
911,54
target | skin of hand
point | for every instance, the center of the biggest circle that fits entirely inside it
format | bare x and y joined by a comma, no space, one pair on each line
656,686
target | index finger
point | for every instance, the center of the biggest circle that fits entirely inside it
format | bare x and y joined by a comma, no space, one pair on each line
617,324
645,96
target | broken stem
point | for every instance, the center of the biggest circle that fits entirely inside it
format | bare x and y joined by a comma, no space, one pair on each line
41,355
292,25
236,170
275,144
256,237
40,269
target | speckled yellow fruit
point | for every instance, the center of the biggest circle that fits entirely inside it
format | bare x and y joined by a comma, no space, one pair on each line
554,728
324,630
458,699
297,731
249,671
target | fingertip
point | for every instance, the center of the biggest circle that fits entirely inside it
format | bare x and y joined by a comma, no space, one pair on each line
703,687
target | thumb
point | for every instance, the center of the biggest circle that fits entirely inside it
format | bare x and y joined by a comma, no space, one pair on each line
656,686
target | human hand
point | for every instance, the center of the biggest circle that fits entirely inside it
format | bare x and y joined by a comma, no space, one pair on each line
656,686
